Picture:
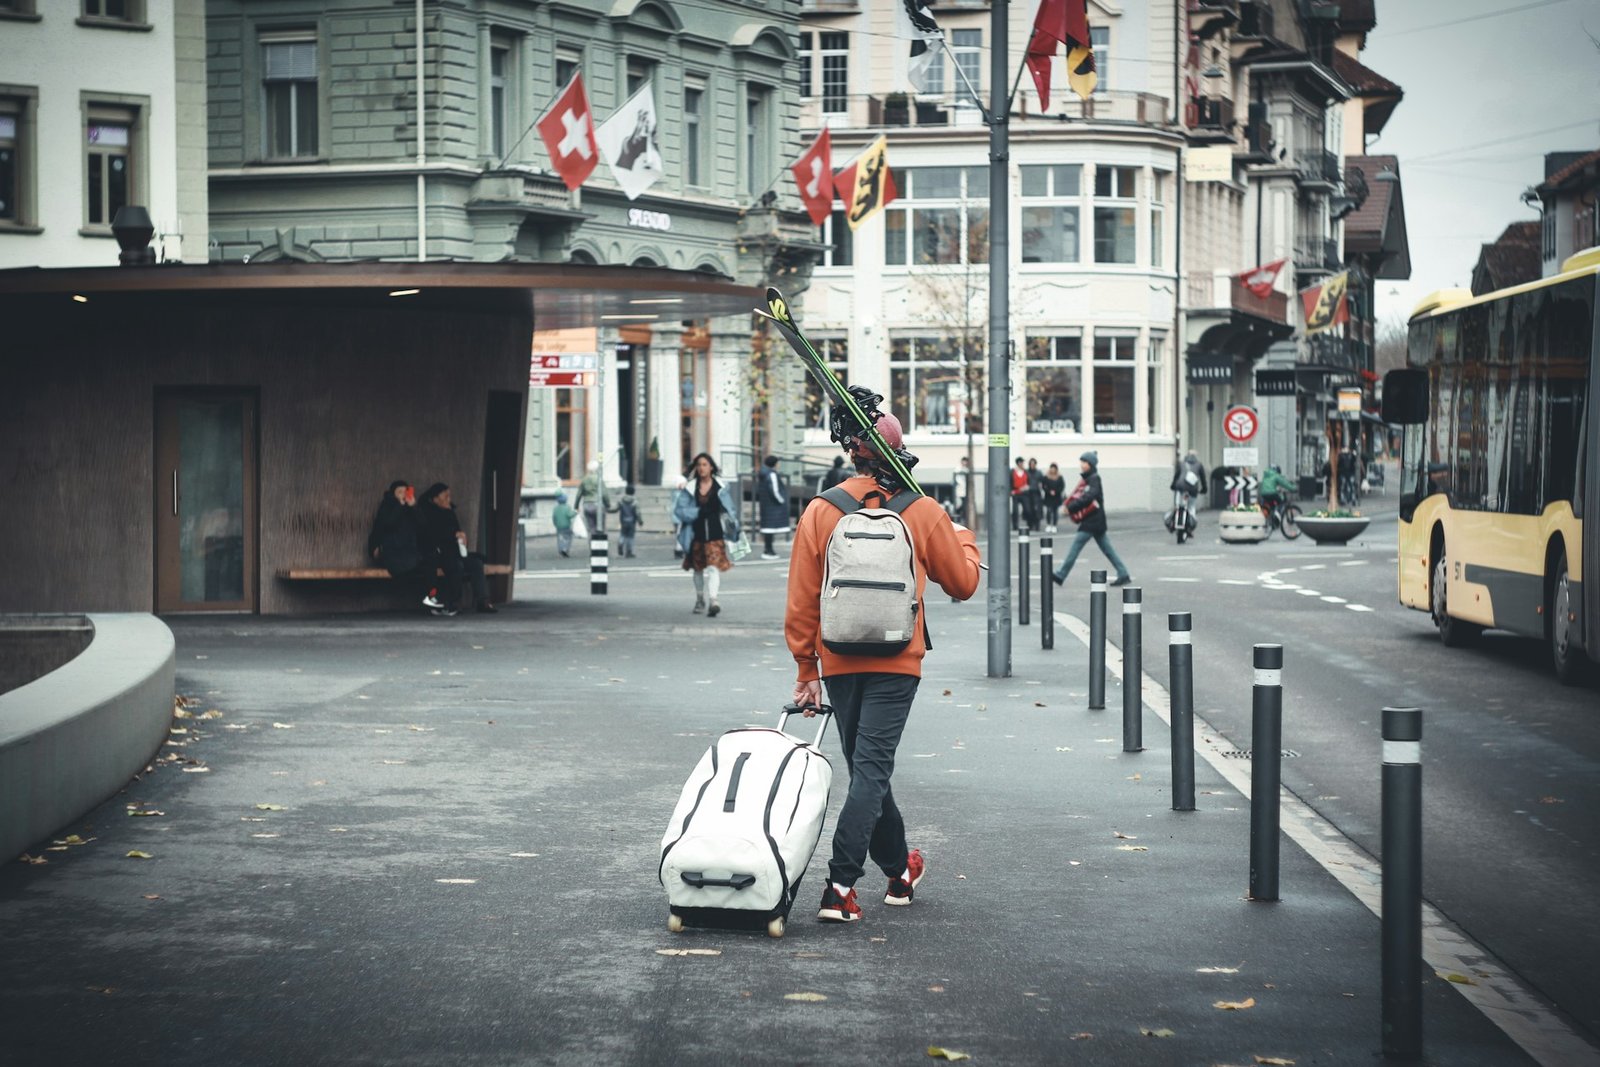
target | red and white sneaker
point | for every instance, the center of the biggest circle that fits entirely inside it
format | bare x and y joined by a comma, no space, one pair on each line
901,889
838,909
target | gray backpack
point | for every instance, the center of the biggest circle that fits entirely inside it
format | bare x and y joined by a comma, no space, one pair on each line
869,577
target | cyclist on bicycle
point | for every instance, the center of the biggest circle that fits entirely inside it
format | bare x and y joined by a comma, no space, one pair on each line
1274,487
1189,478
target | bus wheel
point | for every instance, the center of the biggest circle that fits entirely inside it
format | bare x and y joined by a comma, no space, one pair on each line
1567,659
1453,632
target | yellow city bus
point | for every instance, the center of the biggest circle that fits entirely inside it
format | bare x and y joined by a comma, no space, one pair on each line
1501,460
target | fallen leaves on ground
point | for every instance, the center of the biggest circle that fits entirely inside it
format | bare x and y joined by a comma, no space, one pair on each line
197,770
688,952
1216,970
947,693
1235,1005
1135,777
1132,848
270,807
420,729
1083,1036
946,1053
1551,800
181,714
283,726
178,730
809,998
1163,1032
1274,1061
936,989
1119,835
145,813
103,989
35,860
135,854
1060,748
252,818
1458,979
213,713
1040,704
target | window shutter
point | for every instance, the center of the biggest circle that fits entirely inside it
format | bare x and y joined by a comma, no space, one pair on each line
291,61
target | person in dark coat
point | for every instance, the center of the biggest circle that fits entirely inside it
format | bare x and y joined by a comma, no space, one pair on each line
772,493
832,476
1033,501
1087,507
392,542
445,546
1055,490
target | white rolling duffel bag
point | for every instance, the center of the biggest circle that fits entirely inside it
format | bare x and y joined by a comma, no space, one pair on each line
745,827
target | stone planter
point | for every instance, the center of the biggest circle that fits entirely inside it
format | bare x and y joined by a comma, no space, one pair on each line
1241,527
1333,531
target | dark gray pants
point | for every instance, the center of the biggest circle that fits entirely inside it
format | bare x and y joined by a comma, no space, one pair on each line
869,711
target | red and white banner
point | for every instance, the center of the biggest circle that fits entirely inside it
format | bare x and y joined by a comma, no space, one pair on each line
1327,305
1260,280
1058,23
568,133
813,173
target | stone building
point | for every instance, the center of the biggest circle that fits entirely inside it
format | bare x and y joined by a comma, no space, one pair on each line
319,152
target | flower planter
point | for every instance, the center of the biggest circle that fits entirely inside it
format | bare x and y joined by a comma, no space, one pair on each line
1333,531
1242,527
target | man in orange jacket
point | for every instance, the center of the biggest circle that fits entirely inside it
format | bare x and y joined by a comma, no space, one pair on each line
871,695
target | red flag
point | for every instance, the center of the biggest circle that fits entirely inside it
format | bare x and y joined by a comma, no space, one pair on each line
1326,305
1260,280
1059,22
813,173
866,185
568,132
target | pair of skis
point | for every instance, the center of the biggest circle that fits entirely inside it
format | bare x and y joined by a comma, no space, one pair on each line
777,310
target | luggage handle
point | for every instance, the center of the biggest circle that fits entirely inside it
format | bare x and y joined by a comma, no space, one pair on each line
823,712
698,880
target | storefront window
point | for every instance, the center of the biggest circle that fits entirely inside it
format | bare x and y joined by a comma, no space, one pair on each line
1114,383
1054,382
932,389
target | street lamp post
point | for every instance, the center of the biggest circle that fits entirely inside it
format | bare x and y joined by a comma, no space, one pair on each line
998,523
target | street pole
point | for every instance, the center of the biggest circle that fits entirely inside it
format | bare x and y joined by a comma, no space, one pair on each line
999,518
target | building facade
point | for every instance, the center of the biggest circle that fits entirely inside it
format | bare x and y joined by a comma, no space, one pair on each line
319,152
1569,205
102,105
901,304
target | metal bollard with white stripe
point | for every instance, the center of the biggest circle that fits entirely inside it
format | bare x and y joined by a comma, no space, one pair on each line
599,564
1023,553
1132,670
1180,671
1097,640
1047,594
1266,770
1402,882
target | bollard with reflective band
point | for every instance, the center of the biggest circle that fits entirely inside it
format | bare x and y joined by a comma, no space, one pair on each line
1402,882
1023,553
1266,770
599,564
1047,594
1180,673
1132,670
1097,640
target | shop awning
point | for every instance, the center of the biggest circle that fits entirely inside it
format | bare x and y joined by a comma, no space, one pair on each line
1209,367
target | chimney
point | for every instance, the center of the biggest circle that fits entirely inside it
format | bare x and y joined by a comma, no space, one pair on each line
133,230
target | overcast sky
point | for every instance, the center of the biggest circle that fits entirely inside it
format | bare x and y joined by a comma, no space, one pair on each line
1490,87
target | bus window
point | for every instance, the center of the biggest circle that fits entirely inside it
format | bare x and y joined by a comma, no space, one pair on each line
1470,438
1566,377
1525,445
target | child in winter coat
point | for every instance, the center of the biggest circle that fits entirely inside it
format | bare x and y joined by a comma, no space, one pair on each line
627,521
562,516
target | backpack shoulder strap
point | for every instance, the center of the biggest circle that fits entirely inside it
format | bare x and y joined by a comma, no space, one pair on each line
841,499
901,501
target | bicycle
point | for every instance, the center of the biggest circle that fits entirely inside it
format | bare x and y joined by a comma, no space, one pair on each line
1284,517
1180,520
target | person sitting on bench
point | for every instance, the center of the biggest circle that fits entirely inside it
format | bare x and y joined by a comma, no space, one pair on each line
393,542
445,546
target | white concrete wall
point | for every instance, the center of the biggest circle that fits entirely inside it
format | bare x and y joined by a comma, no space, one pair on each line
63,60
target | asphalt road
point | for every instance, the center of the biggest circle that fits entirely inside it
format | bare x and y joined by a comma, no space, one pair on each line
1511,757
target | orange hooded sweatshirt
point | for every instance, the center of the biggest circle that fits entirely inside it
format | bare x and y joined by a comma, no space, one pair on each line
947,553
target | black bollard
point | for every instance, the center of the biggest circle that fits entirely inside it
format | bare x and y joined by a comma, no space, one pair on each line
1097,640
1402,883
1047,594
522,545
1022,576
1132,670
1180,671
1266,770
599,564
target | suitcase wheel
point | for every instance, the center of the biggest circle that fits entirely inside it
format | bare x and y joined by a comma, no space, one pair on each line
675,924
775,926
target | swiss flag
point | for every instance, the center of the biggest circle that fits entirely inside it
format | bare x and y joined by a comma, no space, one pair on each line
1260,280
813,173
1057,23
568,132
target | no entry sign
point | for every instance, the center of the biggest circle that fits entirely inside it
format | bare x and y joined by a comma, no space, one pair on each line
1240,423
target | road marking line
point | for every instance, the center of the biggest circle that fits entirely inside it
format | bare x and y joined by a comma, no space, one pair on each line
1315,567
1354,563
1334,600
1308,592
1234,581
1358,607
1496,992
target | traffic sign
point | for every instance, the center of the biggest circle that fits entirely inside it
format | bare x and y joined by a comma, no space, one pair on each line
1240,423
576,361
1247,482
559,379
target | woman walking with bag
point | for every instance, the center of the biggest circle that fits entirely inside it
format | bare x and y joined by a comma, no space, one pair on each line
706,518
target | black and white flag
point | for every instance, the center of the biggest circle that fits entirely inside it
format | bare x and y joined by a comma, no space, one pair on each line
629,143
914,22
